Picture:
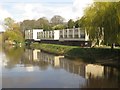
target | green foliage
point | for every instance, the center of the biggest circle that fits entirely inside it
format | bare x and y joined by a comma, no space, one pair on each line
58,27
118,38
52,48
89,54
70,23
12,32
8,23
102,15
77,24
42,23
13,36
56,22
27,24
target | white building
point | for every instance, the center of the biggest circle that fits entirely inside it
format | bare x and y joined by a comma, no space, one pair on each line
33,34
75,34
49,35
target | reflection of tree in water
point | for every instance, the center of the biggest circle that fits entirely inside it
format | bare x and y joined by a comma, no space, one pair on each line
41,64
13,55
29,59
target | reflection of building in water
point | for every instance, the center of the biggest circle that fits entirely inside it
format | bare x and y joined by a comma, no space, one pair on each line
29,54
91,72
101,77
94,70
72,67
35,54
110,72
51,59
78,68
32,55
56,61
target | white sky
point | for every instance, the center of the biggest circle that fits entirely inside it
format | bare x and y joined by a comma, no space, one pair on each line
1,28
34,9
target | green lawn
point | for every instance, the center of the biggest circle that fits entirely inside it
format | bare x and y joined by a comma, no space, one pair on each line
76,52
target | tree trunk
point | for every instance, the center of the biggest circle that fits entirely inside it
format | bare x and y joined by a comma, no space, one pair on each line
113,45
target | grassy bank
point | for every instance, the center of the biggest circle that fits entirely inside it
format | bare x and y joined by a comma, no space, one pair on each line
87,54
53,48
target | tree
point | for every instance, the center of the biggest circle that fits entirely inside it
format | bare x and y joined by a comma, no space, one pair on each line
8,23
12,32
102,18
42,23
27,24
13,35
77,24
55,20
70,23
58,27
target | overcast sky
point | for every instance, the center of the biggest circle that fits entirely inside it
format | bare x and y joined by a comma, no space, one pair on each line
20,10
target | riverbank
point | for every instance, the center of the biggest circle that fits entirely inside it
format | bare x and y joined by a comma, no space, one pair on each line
98,55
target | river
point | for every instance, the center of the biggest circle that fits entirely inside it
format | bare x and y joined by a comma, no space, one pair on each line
32,68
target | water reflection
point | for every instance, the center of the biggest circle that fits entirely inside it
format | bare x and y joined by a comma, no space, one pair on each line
69,73
13,56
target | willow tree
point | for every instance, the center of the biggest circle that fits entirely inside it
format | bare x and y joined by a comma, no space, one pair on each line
91,21
118,15
111,24
102,20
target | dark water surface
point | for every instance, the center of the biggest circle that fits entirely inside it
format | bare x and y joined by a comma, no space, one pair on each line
28,68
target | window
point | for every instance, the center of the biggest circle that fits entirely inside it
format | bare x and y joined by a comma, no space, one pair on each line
65,36
76,36
61,36
70,36
70,31
82,35
76,30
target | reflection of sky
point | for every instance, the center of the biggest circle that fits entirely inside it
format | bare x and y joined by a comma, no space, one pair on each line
34,77
47,78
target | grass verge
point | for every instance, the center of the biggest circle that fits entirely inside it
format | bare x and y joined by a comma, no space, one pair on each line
75,52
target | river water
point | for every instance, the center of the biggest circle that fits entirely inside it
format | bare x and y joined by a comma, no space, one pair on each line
32,68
